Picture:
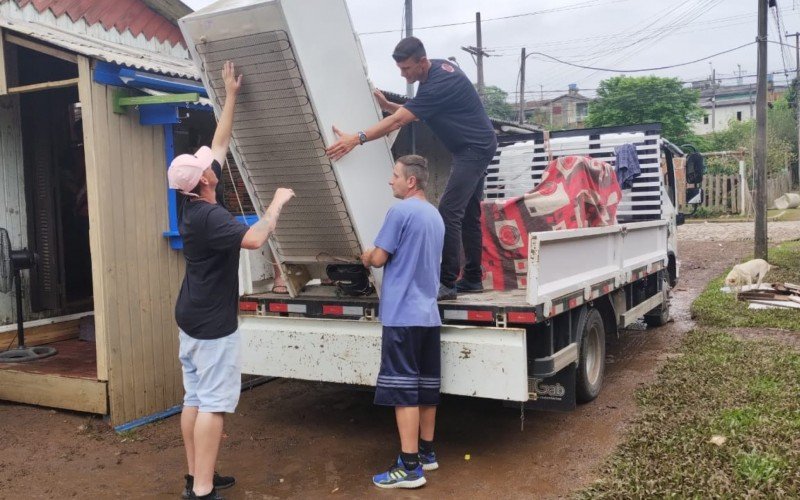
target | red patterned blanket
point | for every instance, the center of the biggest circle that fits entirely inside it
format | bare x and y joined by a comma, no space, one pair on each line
575,192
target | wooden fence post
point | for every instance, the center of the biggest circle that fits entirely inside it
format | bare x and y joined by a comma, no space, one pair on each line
742,187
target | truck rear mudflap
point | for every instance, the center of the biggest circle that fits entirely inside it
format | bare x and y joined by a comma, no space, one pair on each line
482,362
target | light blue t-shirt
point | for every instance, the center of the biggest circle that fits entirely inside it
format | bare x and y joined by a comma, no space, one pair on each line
413,235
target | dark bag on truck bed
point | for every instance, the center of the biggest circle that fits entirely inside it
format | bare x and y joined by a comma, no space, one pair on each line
351,280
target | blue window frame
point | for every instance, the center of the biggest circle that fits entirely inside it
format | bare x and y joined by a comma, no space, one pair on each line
164,115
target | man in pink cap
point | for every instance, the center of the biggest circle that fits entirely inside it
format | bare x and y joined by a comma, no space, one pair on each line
207,306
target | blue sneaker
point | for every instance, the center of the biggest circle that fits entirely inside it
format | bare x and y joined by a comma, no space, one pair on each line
399,477
428,461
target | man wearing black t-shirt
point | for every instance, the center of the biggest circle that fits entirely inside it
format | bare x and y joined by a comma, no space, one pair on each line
449,104
207,307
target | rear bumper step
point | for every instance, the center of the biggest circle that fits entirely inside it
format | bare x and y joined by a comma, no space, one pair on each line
482,362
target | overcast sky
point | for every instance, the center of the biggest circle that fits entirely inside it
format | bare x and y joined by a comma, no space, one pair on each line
615,34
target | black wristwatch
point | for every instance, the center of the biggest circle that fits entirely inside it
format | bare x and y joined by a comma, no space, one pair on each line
362,137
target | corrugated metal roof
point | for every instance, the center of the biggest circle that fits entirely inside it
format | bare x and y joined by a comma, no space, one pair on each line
123,15
104,50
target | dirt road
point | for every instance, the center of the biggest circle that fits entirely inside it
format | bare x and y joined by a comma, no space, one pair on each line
306,440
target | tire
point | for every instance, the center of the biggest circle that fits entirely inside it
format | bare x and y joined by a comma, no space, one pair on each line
591,359
658,316
672,271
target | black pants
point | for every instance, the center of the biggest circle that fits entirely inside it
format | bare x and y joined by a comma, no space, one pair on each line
460,207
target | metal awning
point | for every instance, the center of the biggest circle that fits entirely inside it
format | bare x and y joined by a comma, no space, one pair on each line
103,50
166,93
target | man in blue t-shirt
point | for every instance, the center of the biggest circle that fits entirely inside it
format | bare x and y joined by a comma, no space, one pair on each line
409,245
449,104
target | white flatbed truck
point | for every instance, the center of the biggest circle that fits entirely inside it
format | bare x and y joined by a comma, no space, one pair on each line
543,346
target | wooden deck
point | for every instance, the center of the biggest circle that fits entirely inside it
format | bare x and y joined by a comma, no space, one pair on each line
67,380
75,359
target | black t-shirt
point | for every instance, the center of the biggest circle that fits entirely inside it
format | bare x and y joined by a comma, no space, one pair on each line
208,303
449,104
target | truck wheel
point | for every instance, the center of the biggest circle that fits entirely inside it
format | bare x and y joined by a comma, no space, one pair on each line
592,360
658,316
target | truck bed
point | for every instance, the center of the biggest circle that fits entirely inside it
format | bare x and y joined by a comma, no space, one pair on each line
328,292
566,268
322,301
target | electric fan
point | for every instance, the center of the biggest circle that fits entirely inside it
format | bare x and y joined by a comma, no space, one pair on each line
12,262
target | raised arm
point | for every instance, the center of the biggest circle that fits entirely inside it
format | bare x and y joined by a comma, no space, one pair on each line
222,135
258,234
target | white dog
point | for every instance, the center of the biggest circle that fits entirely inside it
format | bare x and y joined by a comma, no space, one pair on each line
748,272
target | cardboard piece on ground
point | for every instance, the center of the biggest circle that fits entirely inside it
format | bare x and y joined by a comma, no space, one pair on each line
773,304
747,288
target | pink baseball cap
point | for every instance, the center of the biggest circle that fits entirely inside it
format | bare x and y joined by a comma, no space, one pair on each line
185,170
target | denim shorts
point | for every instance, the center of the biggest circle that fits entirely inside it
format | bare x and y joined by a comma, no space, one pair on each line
212,372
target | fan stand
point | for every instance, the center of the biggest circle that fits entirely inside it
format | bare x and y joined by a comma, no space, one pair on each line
21,353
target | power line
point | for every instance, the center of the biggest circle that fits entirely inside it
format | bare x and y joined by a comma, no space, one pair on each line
668,20
778,18
696,11
642,70
581,5
724,22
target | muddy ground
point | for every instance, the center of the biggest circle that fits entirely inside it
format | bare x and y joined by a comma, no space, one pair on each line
305,440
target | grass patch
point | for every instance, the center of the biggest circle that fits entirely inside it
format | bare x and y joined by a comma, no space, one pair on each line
745,391
790,214
718,309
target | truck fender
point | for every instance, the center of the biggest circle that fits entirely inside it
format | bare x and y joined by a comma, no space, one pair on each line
578,317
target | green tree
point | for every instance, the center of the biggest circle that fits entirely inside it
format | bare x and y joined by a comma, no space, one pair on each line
791,94
624,100
496,104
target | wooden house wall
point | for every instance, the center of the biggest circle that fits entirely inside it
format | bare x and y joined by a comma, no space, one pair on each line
136,274
13,215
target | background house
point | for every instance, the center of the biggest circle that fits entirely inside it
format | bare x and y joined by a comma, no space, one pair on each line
723,103
565,111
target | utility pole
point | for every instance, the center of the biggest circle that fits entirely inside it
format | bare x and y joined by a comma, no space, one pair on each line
797,94
478,53
409,32
713,100
522,88
760,156
410,86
